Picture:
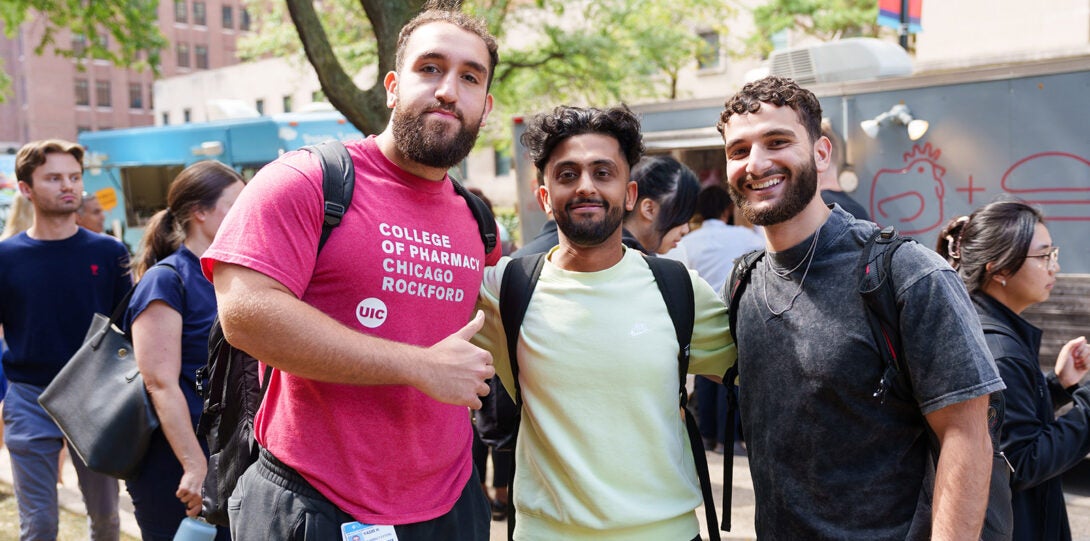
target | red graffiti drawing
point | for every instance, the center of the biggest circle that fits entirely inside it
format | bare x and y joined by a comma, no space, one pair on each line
913,196
970,189
1053,181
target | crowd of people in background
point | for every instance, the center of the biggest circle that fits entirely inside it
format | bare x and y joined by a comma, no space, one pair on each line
365,419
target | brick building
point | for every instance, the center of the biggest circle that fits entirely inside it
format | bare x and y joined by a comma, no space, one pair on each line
52,97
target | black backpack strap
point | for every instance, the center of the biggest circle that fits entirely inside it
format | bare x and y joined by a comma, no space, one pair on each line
736,285
880,296
516,288
732,293
338,183
676,286
486,222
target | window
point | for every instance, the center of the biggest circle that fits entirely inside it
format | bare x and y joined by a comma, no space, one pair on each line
151,102
183,55
199,17
228,17
136,96
79,44
187,115
502,161
317,95
201,52
708,57
244,20
260,106
102,93
145,188
82,129
181,11
287,104
83,92
166,118
780,40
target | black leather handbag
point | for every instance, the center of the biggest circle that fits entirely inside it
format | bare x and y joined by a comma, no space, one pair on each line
99,401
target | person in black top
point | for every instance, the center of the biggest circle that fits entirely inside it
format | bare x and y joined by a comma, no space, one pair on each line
829,180
1006,258
666,201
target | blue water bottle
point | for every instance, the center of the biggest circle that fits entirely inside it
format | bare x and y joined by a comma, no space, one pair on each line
193,529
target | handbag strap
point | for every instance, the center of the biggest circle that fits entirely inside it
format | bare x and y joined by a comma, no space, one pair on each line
123,305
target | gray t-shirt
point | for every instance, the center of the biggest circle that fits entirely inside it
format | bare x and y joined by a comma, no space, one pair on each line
828,459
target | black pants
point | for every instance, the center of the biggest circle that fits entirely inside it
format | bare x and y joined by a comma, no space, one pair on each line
272,502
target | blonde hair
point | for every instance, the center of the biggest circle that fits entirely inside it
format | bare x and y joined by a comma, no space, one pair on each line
20,216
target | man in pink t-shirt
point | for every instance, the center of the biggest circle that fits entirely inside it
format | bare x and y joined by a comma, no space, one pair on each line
364,427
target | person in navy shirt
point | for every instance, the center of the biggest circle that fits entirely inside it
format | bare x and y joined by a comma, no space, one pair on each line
170,315
53,278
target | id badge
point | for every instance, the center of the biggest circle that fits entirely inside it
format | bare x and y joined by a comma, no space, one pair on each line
355,531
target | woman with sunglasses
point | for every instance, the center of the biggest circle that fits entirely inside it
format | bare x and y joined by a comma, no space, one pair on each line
1006,258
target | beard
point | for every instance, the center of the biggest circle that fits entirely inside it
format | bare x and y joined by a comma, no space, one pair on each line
429,145
800,190
589,233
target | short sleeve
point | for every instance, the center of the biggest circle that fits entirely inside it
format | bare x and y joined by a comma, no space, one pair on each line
160,283
949,360
274,226
712,349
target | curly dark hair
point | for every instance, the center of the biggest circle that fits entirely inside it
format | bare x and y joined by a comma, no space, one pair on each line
546,130
439,12
778,91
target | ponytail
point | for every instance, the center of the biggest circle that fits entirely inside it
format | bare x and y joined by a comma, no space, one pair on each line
998,234
197,187
161,238
948,244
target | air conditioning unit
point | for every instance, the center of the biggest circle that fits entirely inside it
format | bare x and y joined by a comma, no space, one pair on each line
852,59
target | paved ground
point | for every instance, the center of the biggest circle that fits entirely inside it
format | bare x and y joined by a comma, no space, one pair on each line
1077,484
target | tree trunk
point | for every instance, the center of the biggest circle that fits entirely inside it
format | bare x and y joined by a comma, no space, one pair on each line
365,109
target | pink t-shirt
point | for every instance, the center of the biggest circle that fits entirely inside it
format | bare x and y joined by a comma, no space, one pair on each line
405,264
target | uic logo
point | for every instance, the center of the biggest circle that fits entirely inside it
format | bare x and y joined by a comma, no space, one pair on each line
371,312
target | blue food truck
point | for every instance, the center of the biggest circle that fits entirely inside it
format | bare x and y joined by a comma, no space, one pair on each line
130,170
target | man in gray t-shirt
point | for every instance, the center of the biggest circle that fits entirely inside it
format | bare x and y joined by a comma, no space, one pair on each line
829,459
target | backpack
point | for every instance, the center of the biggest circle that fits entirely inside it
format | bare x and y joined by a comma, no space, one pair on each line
497,421
875,285
229,383
675,285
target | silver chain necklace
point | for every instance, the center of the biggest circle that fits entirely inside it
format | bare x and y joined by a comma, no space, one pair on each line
808,258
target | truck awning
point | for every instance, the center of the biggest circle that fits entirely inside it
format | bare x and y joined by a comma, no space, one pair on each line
689,139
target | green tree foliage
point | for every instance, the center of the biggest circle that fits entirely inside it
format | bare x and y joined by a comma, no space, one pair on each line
592,52
120,31
599,52
823,19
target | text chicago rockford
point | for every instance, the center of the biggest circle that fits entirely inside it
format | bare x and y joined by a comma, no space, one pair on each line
420,265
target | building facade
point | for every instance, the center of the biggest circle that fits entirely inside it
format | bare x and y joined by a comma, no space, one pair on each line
54,96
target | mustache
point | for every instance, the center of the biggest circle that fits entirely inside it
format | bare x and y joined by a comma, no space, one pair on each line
585,200
448,108
767,173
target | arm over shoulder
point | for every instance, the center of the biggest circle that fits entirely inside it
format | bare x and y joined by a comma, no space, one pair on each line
712,349
491,337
